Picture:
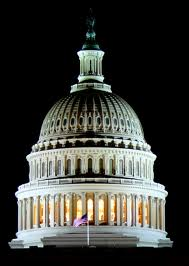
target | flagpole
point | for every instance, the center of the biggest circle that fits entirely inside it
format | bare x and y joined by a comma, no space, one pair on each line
88,233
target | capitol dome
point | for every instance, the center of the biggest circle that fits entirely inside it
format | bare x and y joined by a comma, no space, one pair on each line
91,112
91,161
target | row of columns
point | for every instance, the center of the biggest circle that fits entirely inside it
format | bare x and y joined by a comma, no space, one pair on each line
152,210
120,166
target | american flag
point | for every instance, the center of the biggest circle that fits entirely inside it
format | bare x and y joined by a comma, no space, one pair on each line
78,221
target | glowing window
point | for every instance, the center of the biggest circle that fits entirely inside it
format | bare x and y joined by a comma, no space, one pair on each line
124,210
101,210
113,209
90,209
79,208
67,210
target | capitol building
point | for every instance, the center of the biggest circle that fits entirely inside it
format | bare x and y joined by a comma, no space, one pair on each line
91,157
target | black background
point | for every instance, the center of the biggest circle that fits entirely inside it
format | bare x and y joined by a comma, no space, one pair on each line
145,64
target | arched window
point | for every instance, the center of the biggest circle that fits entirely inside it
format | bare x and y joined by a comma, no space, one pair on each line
50,168
130,168
101,166
90,209
37,170
89,165
67,209
69,167
79,208
121,167
43,169
124,218
101,210
79,166
111,167
113,209
137,168
59,168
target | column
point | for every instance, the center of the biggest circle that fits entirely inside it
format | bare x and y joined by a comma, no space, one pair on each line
62,209
83,200
52,201
29,213
19,215
162,214
109,209
58,209
121,209
128,210
133,211
157,213
37,211
96,194
23,214
118,208
151,212
47,210
136,210
143,211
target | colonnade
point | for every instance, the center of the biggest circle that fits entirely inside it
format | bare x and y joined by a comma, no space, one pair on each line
102,208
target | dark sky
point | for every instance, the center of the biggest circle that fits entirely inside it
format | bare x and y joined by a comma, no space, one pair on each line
142,47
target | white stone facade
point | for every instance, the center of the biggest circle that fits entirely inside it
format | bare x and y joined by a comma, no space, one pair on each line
91,158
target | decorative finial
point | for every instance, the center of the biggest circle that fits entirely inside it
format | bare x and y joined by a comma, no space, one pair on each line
90,42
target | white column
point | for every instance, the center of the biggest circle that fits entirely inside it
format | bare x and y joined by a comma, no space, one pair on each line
151,212
136,210
23,214
83,200
133,210
29,214
19,215
118,208
128,210
109,209
47,210
62,210
121,209
164,215
58,209
96,208
143,211
52,202
157,213
37,211
161,214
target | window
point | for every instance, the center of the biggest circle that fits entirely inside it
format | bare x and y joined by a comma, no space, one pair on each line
121,167
122,122
130,167
89,165
79,166
81,121
98,121
43,169
101,166
124,217
101,209
79,208
50,168
90,209
64,122
72,121
59,167
90,120
111,167
67,209
115,122
113,209
69,167
107,120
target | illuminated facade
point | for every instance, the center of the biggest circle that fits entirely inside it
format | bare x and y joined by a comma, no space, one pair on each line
91,158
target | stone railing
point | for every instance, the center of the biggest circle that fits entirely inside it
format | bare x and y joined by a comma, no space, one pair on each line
63,181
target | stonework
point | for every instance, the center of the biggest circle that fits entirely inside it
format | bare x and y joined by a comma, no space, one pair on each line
91,158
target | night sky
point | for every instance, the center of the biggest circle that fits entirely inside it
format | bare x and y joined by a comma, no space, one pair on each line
142,52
